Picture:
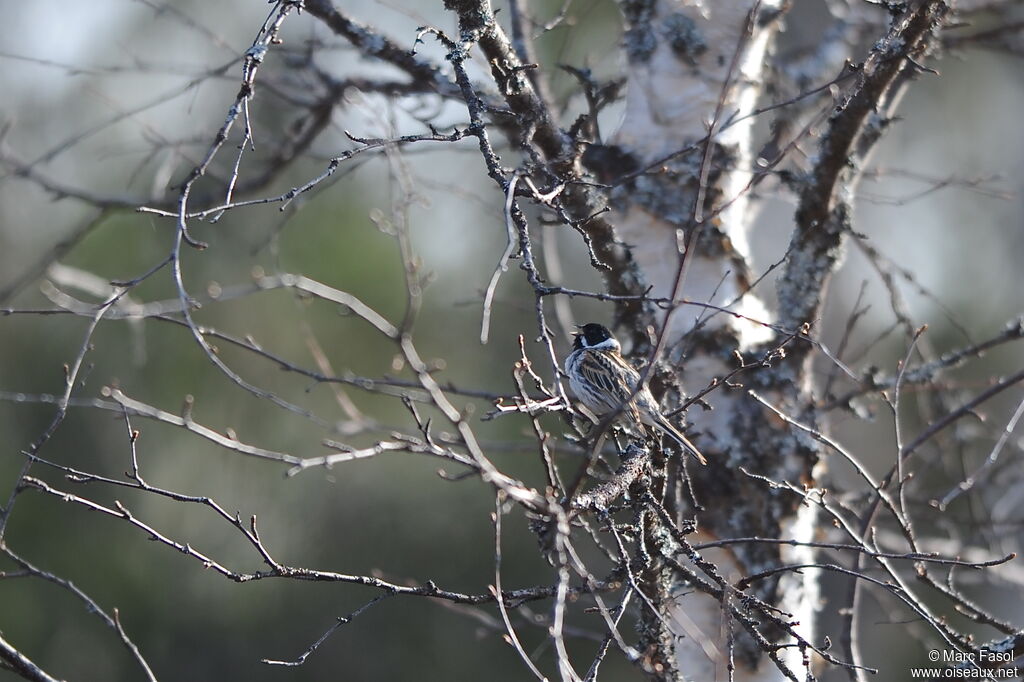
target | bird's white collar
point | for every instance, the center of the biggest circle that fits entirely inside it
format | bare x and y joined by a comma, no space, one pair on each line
607,344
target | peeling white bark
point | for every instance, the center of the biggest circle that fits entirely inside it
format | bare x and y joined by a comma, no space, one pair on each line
670,104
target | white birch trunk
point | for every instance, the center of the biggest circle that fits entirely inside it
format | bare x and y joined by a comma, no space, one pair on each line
681,53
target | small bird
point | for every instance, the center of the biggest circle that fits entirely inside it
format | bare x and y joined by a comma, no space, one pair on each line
604,382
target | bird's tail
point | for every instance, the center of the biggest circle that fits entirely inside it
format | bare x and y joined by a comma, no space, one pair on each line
673,433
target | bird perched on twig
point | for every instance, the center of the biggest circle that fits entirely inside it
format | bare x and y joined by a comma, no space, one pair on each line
604,382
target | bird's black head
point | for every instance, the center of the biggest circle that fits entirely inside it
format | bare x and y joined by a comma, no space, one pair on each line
593,335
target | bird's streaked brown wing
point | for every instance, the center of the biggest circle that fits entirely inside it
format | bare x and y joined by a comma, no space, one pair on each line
614,380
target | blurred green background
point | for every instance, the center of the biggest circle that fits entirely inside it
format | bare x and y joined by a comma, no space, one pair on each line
93,67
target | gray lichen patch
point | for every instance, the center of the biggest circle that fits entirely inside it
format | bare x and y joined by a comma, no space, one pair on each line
669,190
818,248
684,37
639,39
